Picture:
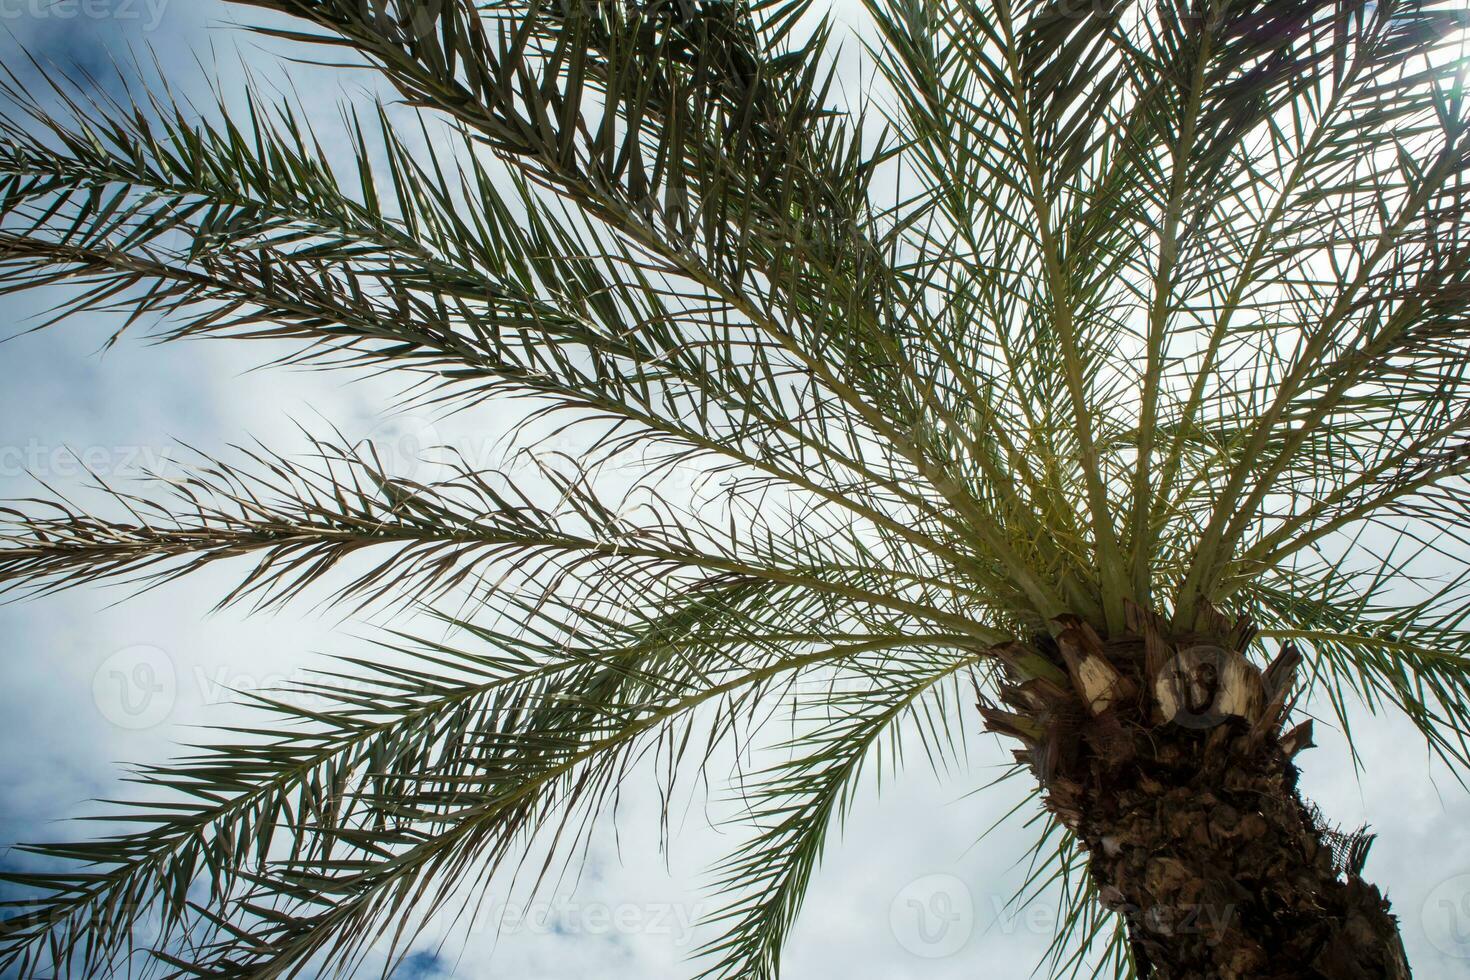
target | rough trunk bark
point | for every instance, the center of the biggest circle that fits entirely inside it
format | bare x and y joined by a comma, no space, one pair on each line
1167,757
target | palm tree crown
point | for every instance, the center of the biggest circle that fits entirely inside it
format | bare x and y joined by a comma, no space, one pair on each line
1090,314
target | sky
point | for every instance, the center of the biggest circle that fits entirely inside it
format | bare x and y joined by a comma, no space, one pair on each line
91,679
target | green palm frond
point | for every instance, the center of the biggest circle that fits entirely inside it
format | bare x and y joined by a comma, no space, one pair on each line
1076,307
797,803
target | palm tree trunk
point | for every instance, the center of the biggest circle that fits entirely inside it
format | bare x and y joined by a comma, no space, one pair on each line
1167,757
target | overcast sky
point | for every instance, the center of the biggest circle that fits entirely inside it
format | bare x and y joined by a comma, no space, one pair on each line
89,682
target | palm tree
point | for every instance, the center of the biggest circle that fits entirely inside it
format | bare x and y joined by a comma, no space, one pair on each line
1109,357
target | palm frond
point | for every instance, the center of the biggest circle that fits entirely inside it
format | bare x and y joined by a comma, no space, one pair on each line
1144,303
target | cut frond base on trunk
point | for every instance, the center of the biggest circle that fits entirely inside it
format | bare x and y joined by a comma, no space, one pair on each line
1170,759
